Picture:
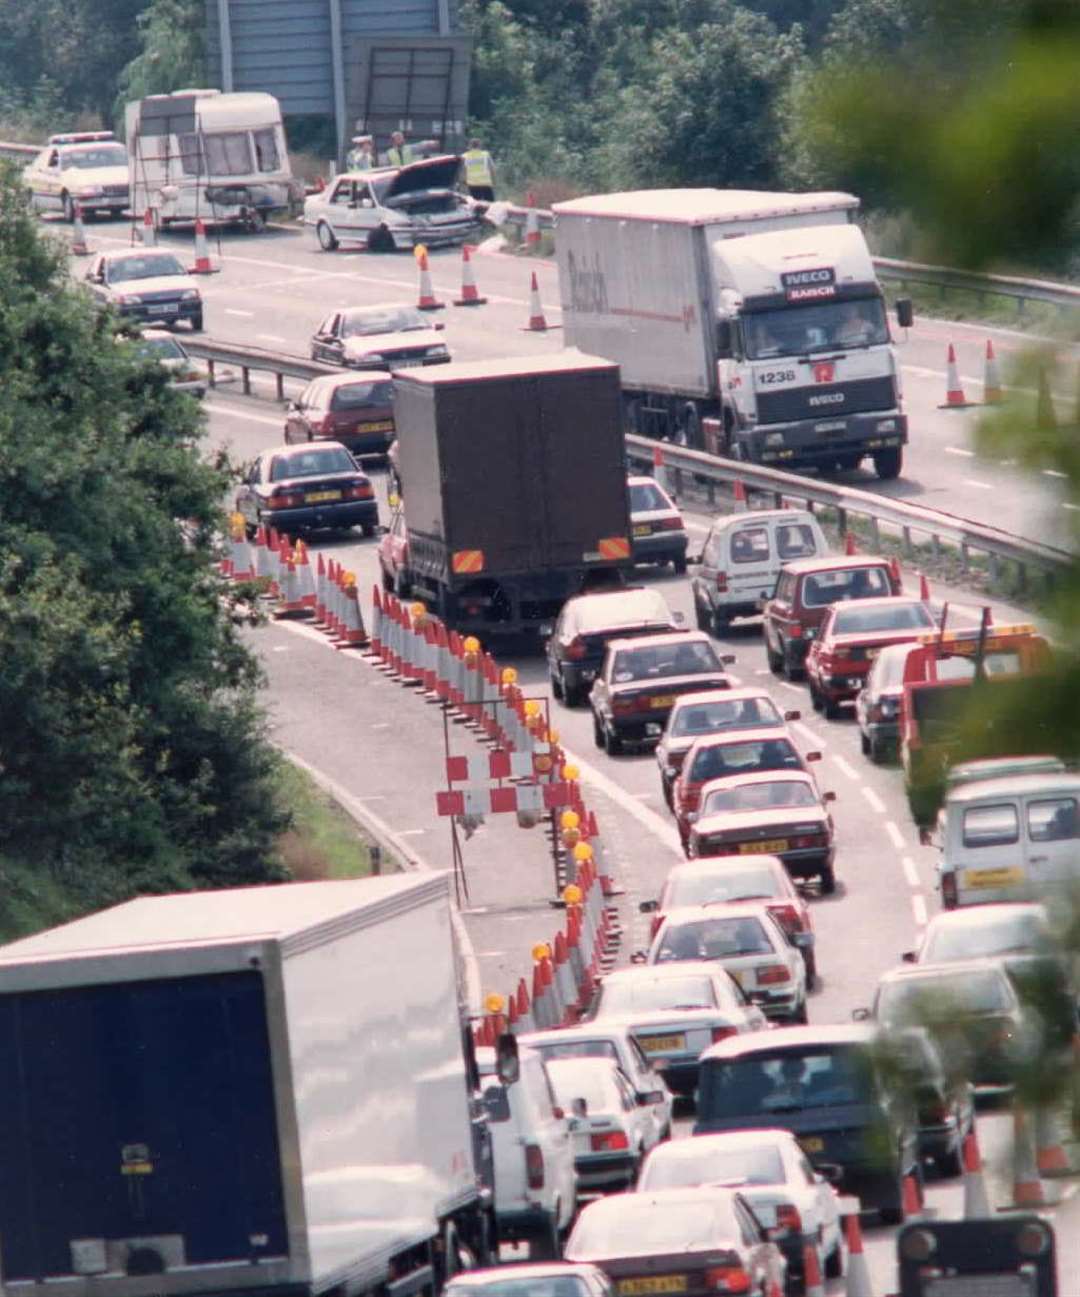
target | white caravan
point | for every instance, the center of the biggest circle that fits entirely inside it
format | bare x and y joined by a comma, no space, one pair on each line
204,155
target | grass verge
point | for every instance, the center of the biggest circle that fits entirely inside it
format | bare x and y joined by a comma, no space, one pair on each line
324,841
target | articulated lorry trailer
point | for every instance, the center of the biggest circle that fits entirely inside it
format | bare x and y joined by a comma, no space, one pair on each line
749,324
262,1091
513,474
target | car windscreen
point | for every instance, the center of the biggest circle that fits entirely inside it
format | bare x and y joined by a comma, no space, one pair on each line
999,936
962,667
104,155
727,938
643,994
730,884
817,1076
142,267
663,660
710,718
354,396
682,1167
542,1286
368,324
804,330
160,349
576,1049
822,589
870,621
775,795
717,760
647,1227
921,1000
646,497
311,463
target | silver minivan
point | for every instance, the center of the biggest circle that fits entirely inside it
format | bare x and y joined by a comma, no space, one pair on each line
736,571
1009,838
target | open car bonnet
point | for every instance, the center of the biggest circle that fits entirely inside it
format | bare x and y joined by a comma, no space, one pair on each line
430,173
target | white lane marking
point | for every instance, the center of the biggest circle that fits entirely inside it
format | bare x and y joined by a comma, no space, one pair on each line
959,450
1053,472
241,414
248,315
1071,507
875,801
809,734
280,648
848,769
918,905
271,337
762,671
970,481
410,833
381,725
910,872
788,685
656,824
895,834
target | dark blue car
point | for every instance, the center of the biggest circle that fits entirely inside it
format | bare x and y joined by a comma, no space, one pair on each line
307,488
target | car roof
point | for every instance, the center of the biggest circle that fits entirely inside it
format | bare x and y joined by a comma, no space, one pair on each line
303,447
794,1038
765,515
655,972
987,914
713,910
709,865
651,641
123,254
762,734
833,562
353,376
587,1063
376,308
642,1201
699,1144
1016,785
703,696
945,968
526,1270
580,1031
761,777
638,596
879,601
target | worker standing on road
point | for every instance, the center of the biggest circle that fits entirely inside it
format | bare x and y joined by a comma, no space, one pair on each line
361,156
479,172
399,153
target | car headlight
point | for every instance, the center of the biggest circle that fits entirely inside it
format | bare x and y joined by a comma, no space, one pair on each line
369,358
91,191
128,299
774,439
190,295
440,350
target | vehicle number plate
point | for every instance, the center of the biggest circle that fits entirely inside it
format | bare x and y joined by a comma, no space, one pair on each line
981,1285
642,529
993,877
163,308
658,1044
383,425
812,1144
404,364
317,497
769,847
662,700
653,1284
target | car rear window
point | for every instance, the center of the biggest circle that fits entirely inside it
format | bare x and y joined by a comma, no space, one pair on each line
634,608
729,883
727,938
922,1000
353,396
658,993
650,662
821,589
867,621
311,463
646,497
771,796
577,1049
709,718
991,826
788,1081
795,540
750,545
719,759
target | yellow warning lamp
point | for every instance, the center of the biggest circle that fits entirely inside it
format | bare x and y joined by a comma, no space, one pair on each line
570,772
237,526
552,737
532,708
419,250
418,612
494,1002
571,837
471,644
542,764
570,820
509,676
393,499
541,951
582,852
572,894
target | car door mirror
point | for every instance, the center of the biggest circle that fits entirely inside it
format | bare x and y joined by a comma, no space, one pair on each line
639,957
558,1113
828,1172
794,715
908,956
727,659
804,940
438,326
860,1015
648,907
646,1098
507,1062
905,312
813,756
830,796
723,340
496,1103
926,836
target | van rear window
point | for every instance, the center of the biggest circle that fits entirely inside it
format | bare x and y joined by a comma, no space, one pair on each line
795,540
991,826
750,545
1053,820
820,589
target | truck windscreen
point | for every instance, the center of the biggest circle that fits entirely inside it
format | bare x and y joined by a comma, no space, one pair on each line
823,326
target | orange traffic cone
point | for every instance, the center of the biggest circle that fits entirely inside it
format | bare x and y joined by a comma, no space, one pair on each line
911,1198
532,224
924,588
1027,1185
149,229
537,323
813,1284
895,575
469,295
858,1272
305,576
976,1199
353,634
79,245
954,393
428,301
992,392
202,264
849,543
1051,1157
739,493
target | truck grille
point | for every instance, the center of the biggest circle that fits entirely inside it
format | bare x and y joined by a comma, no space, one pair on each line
115,191
826,401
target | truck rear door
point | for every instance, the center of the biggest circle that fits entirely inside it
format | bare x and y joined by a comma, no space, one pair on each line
138,1116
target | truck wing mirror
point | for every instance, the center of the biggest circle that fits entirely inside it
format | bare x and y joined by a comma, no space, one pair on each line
507,1063
908,957
648,907
723,339
926,836
905,312
727,659
860,1015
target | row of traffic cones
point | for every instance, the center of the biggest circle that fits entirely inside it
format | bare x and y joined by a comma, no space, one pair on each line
470,294
81,248
993,392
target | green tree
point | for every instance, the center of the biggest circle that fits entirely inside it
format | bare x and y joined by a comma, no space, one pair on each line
132,750
173,52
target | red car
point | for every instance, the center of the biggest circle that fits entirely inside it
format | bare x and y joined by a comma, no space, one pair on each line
736,752
393,554
851,637
739,878
355,409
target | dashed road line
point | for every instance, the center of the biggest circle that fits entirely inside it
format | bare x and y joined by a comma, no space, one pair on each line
848,769
970,481
809,734
875,801
247,315
1053,472
1072,508
918,906
229,412
959,450
271,337
894,833
910,872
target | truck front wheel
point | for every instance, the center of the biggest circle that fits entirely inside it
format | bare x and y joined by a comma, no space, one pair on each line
888,463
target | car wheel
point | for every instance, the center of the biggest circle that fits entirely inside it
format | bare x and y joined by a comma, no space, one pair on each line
69,207
613,745
367,529
791,670
669,800
679,565
381,240
951,1164
892,1213
544,1244
327,239
556,685
574,697
834,1263
597,731
197,323
828,880
387,581
816,701
774,660
702,616
801,1015
864,743
721,622
810,960
876,750
830,708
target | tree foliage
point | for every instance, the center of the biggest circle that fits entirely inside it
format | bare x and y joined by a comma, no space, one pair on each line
132,750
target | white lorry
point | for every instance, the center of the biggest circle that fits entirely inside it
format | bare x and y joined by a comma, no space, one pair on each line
204,155
757,312
270,1090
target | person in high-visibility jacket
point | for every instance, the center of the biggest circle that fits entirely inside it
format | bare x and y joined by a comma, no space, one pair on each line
479,172
361,157
399,154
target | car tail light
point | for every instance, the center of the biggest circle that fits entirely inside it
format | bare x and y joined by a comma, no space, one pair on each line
721,582
788,1219
1001,1034
285,499
727,1278
773,973
948,891
670,524
327,428
935,1110
359,491
608,1141
837,654
723,1033
788,917
654,927
624,705
810,840
534,1166
795,630
575,650
690,796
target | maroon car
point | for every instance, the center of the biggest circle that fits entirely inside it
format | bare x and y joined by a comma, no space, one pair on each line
355,409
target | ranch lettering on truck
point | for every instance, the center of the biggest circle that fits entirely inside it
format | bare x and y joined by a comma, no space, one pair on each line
809,285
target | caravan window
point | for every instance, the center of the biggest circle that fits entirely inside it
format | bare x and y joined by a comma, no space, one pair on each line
228,154
267,157
191,159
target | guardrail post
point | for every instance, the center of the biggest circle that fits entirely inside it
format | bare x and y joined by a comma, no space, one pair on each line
245,370
935,545
211,373
841,519
875,534
965,558
995,567
1021,576
280,385
778,499
909,548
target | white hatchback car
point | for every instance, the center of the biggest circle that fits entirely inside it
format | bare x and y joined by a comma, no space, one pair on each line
535,1177
389,336
610,1120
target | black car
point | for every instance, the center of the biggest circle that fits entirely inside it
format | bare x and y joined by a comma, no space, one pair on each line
640,680
306,488
825,1085
944,1099
149,284
587,623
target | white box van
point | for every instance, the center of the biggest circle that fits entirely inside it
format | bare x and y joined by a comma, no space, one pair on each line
535,1177
1010,838
742,556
